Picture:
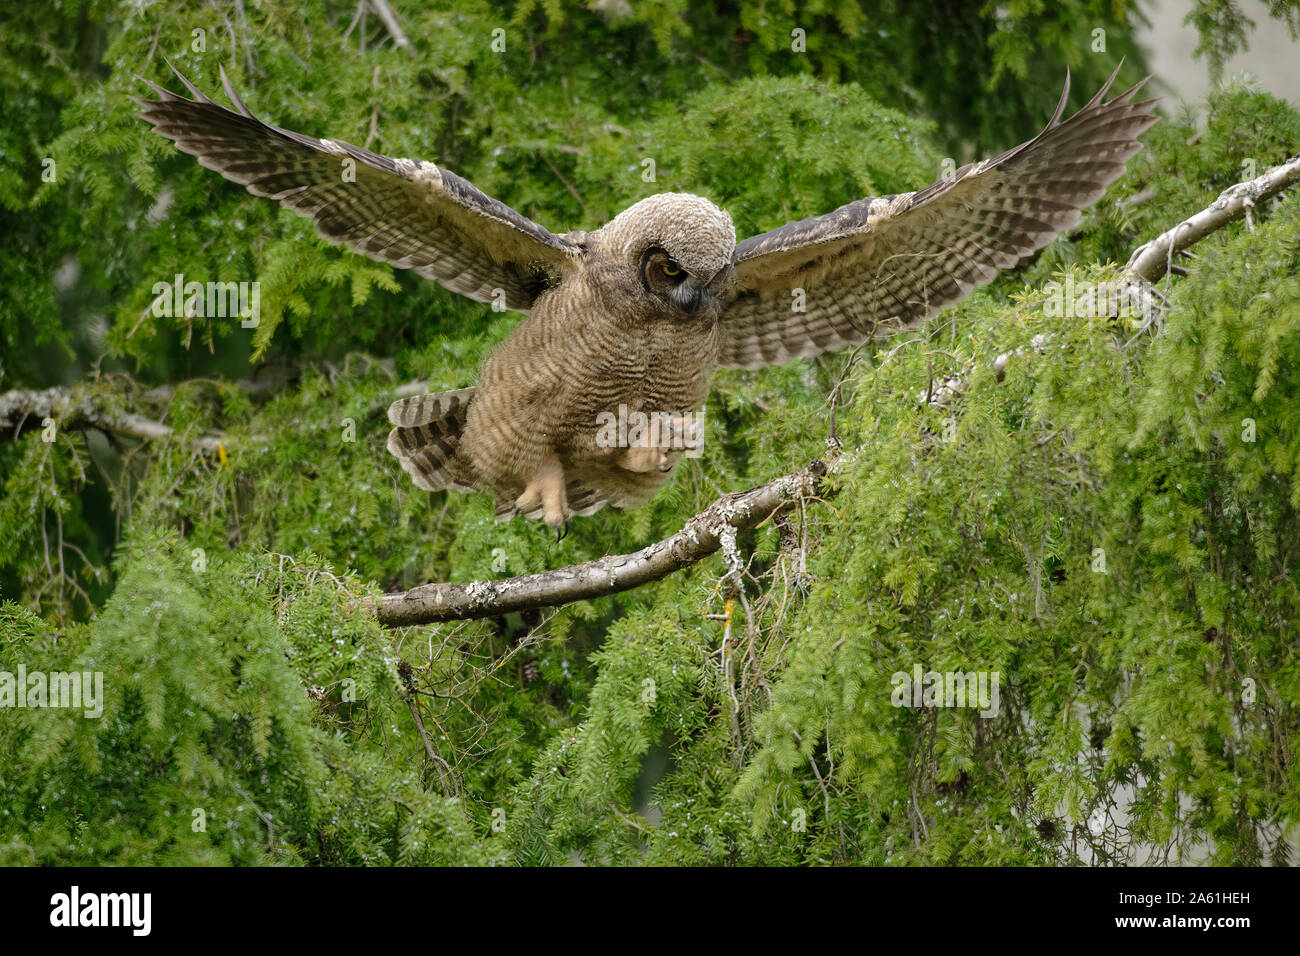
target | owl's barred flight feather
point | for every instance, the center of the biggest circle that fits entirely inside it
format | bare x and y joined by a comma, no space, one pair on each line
633,318
409,213
879,266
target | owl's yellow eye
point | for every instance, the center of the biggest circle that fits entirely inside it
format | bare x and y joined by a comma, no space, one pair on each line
671,270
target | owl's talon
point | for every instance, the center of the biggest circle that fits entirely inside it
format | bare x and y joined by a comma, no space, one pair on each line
547,489
527,501
562,531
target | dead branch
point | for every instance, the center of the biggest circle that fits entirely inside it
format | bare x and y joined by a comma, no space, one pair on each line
75,408
1152,260
72,408
700,537
394,28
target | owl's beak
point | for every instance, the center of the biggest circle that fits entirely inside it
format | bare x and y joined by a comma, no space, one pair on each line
688,294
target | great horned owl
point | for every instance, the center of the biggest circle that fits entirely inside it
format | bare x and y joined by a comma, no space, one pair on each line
630,320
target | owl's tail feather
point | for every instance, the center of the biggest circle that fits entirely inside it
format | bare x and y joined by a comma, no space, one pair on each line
427,434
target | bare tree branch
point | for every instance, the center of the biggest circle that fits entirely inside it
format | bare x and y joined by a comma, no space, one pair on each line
701,537
74,407
394,28
71,408
1152,260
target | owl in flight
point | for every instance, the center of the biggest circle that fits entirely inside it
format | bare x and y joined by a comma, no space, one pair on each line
626,324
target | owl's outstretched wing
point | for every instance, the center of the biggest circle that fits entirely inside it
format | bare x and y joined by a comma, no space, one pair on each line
881,265
409,213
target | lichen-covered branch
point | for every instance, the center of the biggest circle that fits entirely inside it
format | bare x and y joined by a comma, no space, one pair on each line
701,537
1152,260
76,407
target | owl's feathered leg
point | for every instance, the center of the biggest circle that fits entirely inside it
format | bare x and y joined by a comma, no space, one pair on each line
547,489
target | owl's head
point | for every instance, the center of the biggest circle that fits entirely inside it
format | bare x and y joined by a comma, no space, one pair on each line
680,246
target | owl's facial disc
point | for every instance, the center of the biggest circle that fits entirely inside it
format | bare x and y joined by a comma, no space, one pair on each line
664,276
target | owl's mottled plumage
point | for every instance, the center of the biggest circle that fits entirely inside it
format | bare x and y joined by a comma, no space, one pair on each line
638,313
